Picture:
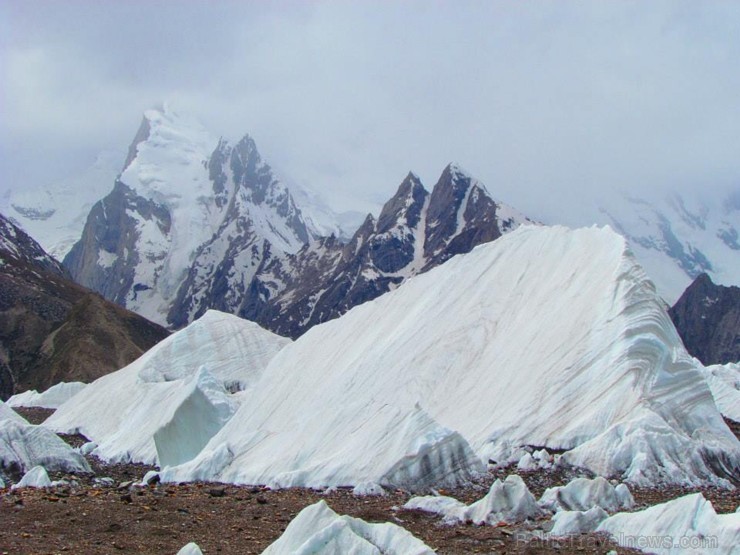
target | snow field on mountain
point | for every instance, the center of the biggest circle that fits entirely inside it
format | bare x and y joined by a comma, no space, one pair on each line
548,336
317,529
171,400
169,168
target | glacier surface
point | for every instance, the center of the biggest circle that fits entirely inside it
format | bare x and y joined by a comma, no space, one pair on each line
548,337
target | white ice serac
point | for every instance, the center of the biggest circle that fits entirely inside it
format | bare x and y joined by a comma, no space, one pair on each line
165,405
547,337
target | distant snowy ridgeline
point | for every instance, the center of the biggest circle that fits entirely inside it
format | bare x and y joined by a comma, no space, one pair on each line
547,337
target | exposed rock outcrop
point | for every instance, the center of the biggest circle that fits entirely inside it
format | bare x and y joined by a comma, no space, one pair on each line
707,317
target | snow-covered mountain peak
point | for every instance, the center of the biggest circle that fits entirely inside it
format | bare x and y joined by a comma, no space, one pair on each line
411,182
457,183
171,154
455,169
413,176
188,210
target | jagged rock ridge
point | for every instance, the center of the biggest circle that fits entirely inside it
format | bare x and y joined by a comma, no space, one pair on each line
415,231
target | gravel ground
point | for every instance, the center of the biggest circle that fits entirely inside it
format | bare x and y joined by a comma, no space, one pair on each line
223,519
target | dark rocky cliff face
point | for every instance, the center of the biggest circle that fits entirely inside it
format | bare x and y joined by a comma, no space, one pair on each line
112,232
707,317
51,329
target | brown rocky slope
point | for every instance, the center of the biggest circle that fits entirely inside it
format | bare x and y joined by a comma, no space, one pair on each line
53,330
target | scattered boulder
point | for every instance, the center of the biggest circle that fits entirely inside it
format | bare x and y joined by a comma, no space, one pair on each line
105,482
150,478
368,488
217,492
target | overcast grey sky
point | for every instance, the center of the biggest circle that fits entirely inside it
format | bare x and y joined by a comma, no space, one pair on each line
545,102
